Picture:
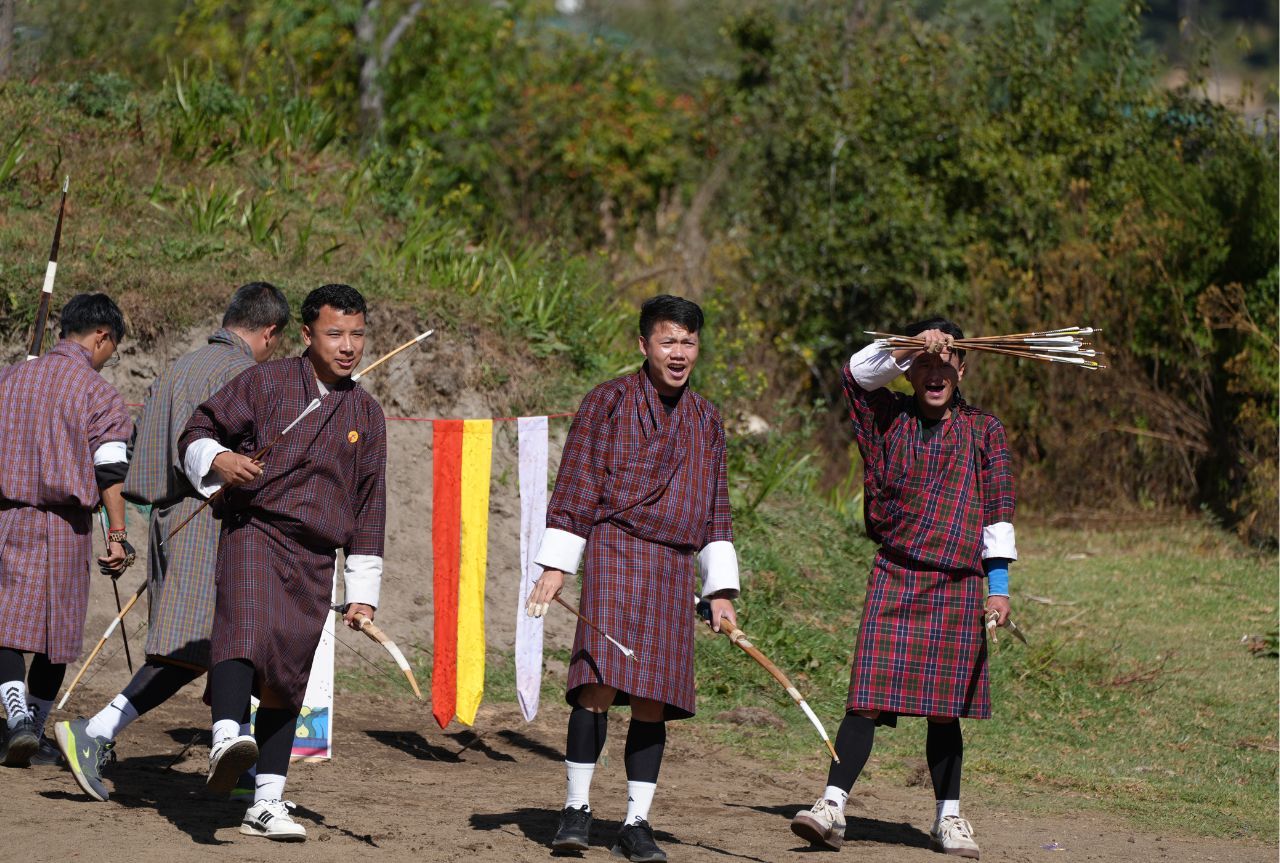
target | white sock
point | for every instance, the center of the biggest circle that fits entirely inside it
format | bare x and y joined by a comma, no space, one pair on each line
112,719
579,776
225,729
639,799
947,807
268,786
836,795
39,709
14,695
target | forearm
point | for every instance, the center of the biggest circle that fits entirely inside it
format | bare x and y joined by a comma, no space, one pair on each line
113,503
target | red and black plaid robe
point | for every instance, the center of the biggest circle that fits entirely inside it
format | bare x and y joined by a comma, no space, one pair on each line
922,647
57,412
323,487
647,491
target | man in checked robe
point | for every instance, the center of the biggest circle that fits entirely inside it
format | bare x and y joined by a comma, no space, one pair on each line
63,434
321,487
180,584
641,499
939,499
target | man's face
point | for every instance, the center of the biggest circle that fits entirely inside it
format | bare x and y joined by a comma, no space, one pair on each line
336,343
934,377
672,352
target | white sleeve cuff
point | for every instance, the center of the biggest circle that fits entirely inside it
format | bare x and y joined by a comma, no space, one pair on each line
997,541
197,465
718,564
362,577
873,367
111,452
560,550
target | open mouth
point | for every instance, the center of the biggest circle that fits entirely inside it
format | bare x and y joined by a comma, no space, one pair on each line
935,388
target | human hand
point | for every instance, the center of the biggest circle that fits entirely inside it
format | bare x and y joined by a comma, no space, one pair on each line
546,590
235,469
935,341
722,609
120,556
998,606
356,608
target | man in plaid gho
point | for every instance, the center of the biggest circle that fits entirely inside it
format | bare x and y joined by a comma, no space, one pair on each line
641,491
180,585
63,434
939,499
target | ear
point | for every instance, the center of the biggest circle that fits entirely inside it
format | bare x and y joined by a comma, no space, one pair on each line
306,335
644,346
960,371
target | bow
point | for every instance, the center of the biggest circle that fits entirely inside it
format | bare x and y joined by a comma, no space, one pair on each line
368,628
738,637
101,641
42,313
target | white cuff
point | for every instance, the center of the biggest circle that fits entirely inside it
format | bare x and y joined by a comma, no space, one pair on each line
363,579
560,550
997,541
873,367
111,452
718,564
197,465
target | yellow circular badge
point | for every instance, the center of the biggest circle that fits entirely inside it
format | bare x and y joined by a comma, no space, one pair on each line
353,436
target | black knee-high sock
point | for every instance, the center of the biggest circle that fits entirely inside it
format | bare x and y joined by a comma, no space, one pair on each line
45,677
646,742
13,666
155,683
273,728
586,737
854,740
230,685
944,750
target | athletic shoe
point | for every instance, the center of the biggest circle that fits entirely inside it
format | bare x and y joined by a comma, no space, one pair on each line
635,843
227,760
86,755
821,825
953,835
48,754
270,819
21,742
575,825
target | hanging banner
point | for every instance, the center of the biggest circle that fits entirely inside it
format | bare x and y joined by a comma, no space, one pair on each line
445,528
532,433
477,460
313,737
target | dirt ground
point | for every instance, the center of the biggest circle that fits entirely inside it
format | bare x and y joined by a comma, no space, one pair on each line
401,789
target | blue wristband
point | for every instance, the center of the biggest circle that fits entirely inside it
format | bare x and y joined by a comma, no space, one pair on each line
997,575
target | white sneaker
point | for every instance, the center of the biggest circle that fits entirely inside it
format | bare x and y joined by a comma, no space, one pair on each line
227,760
271,820
821,825
954,835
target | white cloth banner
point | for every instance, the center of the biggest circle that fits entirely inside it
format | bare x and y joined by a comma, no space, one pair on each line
533,521
313,737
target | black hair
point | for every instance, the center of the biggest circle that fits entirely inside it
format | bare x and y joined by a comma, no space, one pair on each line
937,322
86,312
255,306
665,307
344,298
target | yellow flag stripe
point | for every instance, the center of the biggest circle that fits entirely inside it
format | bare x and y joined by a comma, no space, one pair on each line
477,459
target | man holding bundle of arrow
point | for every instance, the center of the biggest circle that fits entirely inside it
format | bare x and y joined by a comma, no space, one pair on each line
642,498
939,500
63,437
181,578
295,454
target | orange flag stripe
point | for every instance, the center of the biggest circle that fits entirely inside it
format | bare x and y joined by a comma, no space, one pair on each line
445,532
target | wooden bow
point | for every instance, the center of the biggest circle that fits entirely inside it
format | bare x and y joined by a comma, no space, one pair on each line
738,637
101,641
42,312
368,628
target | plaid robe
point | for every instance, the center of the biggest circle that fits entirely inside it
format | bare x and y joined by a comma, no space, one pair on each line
323,487
922,647
57,412
647,491
180,573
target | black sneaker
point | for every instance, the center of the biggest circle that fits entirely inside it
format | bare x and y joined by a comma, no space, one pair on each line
575,825
20,744
48,754
86,756
635,843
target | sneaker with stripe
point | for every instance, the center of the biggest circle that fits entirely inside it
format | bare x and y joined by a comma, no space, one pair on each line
270,819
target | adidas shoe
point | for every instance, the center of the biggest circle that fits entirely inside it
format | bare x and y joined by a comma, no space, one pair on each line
270,819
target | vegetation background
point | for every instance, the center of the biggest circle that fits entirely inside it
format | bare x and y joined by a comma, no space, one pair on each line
807,169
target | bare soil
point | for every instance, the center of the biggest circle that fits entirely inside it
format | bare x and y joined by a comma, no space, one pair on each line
399,788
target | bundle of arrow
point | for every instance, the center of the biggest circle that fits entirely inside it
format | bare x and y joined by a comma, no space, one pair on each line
1065,345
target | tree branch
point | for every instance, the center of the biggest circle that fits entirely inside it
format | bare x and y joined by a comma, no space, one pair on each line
389,43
